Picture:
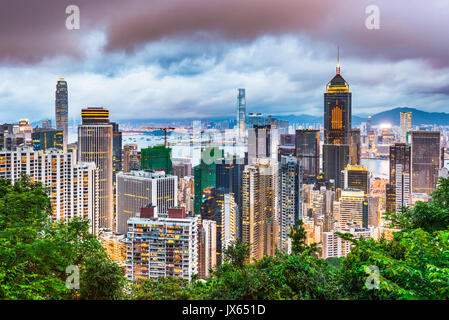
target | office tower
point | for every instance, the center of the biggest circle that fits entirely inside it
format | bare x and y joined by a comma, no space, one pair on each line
157,158
62,109
357,177
131,157
368,125
290,197
277,123
46,124
335,159
207,247
228,219
337,111
205,174
400,174
288,140
72,187
425,160
162,246
116,149
47,138
95,144
137,189
352,208
255,119
241,113
406,125
186,192
259,207
355,147
308,151
259,143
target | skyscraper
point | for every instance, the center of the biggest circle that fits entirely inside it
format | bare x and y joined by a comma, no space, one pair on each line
228,220
337,111
357,177
72,187
259,207
241,112
117,149
337,128
259,143
47,138
308,151
290,197
335,159
355,147
62,110
406,125
400,176
138,189
425,160
95,143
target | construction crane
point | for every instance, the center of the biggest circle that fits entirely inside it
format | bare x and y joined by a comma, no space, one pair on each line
165,129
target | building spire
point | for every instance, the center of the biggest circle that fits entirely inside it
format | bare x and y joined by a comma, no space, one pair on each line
338,61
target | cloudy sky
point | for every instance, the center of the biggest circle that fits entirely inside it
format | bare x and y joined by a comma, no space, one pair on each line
186,58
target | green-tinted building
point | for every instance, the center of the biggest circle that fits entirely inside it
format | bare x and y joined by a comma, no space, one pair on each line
205,175
47,138
157,158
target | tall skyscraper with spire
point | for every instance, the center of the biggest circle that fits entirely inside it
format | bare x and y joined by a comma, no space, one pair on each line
62,109
241,112
337,110
337,127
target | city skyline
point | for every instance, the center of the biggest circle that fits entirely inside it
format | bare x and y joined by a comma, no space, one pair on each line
282,61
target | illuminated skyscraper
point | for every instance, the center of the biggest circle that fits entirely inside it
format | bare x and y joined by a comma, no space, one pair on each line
406,125
357,177
62,110
228,219
259,207
95,143
117,149
290,197
47,138
337,128
400,176
337,111
241,112
425,160
308,151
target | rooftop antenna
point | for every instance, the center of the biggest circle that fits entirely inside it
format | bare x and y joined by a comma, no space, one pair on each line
338,61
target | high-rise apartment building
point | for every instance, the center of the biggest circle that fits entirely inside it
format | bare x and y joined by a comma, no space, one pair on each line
241,113
308,151
405,125
207,247
62,110
425,160
259,207
290,198
137,189
162,246
73,187
95,144
228,219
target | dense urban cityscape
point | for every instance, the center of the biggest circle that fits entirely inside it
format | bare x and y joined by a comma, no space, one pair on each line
215,152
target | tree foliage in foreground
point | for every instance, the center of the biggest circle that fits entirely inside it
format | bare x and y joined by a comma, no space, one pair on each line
35,251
